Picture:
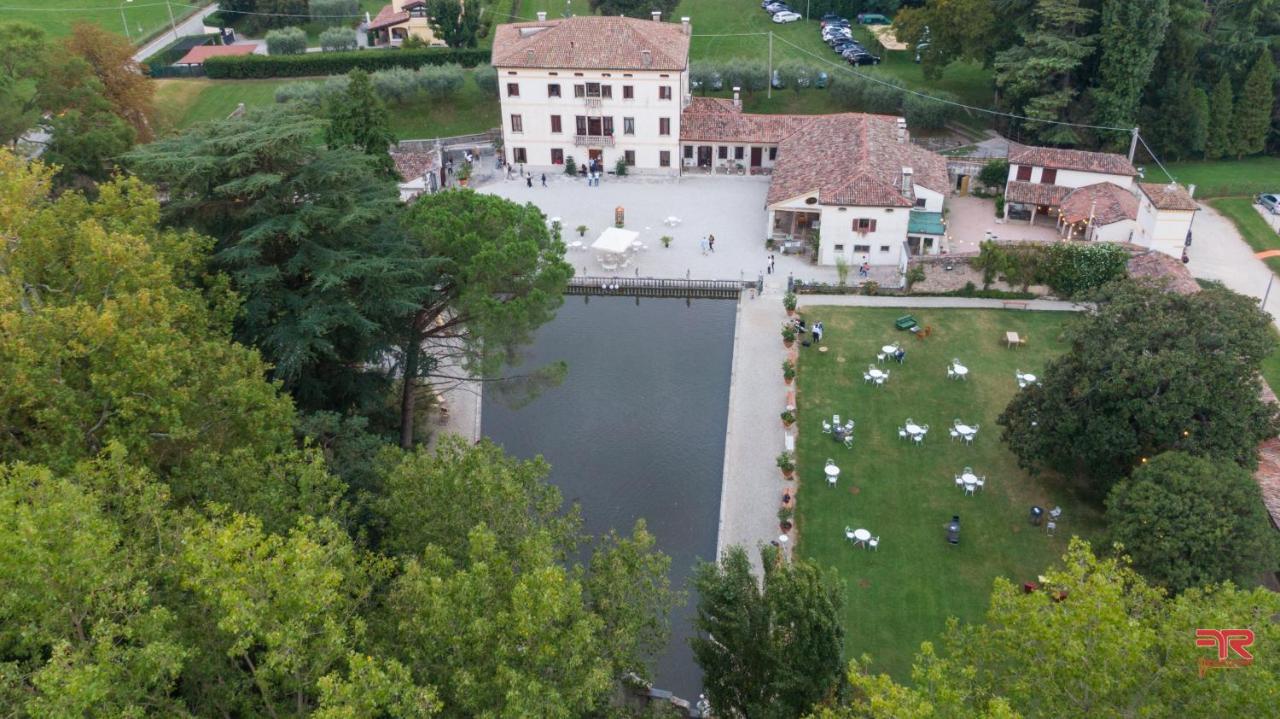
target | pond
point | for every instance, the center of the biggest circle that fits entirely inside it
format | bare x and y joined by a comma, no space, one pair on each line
636,429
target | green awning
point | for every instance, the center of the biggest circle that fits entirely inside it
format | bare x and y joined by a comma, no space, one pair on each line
925,223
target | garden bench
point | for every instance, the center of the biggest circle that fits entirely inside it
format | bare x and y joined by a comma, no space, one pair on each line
1019,304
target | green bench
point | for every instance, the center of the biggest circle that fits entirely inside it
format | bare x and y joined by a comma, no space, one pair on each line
906,322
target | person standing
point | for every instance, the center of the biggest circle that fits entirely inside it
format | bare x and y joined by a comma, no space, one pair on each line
770,263
544,179
711,242
528,181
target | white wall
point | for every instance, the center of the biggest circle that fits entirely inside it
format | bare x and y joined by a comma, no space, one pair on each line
1163,226
883,247
932,200
1122,231
1072,178
691,160
535,107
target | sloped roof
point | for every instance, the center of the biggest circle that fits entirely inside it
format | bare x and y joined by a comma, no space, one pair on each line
1167,195
853,159
1082,160
1035,193
387,17
1159,266
411,165
709,119
197,55
1105,202
590,43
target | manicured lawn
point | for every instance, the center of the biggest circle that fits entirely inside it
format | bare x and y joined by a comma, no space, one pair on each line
1251,225
184,102
57,16
903,593
1250,176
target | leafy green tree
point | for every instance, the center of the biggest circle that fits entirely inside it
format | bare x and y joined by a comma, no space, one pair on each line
1188,522
994,174
1128,42
106,339
771,651
929,113
287,41
84,144
453,24
1096,641
338,39
125,87
957,30
1149,371
333,12
374,688
24,55
633,8
322,280
486,78
1251,122
497,274
1036,78
359,120
1178,134
1219,141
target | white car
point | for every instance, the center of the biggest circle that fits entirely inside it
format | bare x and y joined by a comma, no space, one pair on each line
786,16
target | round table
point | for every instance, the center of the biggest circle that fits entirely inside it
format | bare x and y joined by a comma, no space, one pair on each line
1028,378
960,369
914,429
889,349
970,480
832,470
965,430
861,535
876,374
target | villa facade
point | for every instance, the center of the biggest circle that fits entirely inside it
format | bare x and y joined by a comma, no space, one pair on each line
401,20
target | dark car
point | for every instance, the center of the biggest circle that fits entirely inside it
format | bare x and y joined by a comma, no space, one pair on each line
848,47
863,58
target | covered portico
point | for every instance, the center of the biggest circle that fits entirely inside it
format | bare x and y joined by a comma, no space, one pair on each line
1030,200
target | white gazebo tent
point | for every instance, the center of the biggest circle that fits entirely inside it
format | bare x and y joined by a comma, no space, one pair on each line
615,241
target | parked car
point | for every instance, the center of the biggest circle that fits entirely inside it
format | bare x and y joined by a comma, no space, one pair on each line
777,82
1270,203
777,7
821,80
830,17
830,35
848,47
786,16
863,58
871,18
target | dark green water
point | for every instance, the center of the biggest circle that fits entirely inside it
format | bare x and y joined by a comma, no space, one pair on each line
635,430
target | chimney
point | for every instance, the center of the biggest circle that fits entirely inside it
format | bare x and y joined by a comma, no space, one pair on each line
902,130
1191,190
906,182
542,16
737,97
686,26
656,15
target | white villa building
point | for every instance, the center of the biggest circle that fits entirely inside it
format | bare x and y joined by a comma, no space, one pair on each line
1095,196
594,89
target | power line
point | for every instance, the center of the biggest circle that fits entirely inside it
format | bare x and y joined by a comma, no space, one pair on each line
1159,164
82,9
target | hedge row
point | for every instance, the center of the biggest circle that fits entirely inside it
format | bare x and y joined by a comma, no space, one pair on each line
245,67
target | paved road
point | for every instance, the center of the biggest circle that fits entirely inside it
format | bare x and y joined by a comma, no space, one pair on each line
193,25
1218,252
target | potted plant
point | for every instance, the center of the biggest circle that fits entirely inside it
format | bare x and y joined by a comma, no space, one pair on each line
741,170
582,230
665,240
620,168
789,301
788,417
570,166
464,173
786,463
788,371
784,518
788,335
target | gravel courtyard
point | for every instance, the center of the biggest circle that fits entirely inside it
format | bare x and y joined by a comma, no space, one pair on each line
731,208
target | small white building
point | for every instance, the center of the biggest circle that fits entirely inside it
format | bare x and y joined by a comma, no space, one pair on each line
1165,214
420,172
1040,178
597,89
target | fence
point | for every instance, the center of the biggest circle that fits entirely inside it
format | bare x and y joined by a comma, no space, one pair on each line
655,287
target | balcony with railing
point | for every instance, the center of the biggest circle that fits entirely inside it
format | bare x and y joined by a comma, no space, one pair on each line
592,102
593,140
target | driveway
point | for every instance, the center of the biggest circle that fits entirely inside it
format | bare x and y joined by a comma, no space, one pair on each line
731,208
192,25
1218,252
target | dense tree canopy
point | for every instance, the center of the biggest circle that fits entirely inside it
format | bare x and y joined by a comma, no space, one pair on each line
1189,521
1147,372
634,8
124,86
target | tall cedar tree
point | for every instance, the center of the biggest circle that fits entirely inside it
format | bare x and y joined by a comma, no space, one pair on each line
1252,120
1128,45
1037,77
496,275
358,120
770,652
124,84
303,232
454,24
1218,141
1149,371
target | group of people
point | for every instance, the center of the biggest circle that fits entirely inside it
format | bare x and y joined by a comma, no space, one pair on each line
708,244
815,331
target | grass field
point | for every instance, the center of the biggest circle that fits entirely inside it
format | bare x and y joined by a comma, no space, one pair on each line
184,102
1221,178
145,17
903,593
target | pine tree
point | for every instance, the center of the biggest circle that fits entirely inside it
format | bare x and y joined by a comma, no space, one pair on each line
1252,119
1131,34
1036,78
359,120
1217,141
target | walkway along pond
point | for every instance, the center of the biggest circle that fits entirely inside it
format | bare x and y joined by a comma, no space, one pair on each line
637,429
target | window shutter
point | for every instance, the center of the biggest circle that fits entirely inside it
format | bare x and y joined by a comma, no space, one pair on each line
872,228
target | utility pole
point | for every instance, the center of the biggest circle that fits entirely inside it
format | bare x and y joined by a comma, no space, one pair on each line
172,25
1133,144
769,80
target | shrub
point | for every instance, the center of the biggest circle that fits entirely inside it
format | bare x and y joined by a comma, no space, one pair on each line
570,166
914,275
486,78
857,93
246,67
441,80
1071,269
333,12
842,270
870,287
994,173
287,41
620,168
789,301
396,85
928,114
307,93
999,205
338,39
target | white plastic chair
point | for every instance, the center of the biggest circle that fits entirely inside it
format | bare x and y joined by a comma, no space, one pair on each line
866,377
982,482
826,427
1055,513
831,480
951,373
967,470
959,481
968,490
873,542
848,441
848,533
880,381
880,358
830,461
835,419
954,433
902,433
848,426
1051,528
918,438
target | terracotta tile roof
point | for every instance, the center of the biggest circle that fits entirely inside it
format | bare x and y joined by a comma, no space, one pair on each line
1268,477
1035,193
1058,158
411,165
388,17
592,42
715,120
197,55
1167,196
1159,266
1106,202
853,159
